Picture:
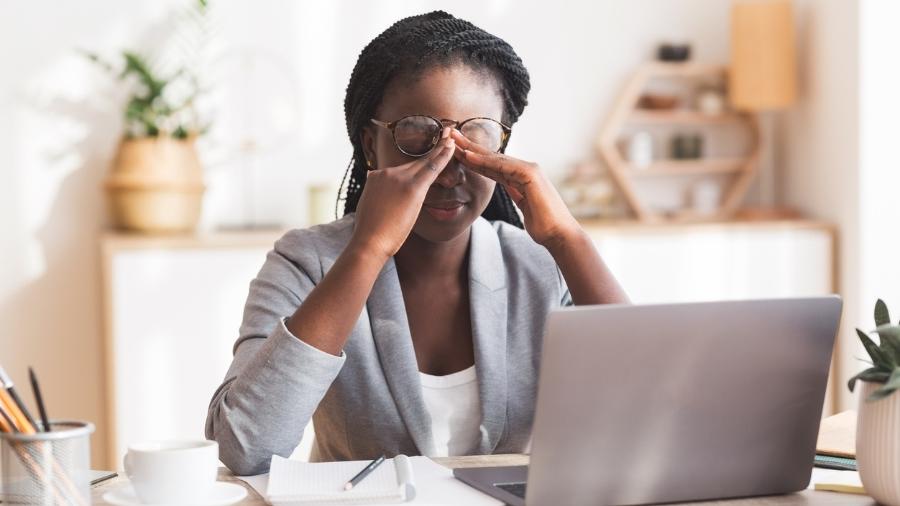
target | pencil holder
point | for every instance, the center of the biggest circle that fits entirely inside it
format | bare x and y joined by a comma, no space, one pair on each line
47,468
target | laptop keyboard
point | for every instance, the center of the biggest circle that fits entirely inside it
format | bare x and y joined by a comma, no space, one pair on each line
516,489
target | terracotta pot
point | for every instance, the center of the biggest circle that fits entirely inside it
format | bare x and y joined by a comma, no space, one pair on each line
878,445
156,185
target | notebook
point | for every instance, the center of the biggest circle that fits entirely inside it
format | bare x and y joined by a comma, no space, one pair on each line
836,481
837,435
294,482
435,486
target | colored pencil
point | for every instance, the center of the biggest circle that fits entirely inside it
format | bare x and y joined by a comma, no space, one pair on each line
8,385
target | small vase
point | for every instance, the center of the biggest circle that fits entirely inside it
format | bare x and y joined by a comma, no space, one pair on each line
878,445
156,185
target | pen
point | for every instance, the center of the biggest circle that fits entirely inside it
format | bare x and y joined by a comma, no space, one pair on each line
39,400
365,472
7,383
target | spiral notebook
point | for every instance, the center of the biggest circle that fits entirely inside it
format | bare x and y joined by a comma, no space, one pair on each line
295,482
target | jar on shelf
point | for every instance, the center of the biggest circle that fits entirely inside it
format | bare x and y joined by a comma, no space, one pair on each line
640,150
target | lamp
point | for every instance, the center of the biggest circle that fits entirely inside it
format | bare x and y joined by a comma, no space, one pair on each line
763,71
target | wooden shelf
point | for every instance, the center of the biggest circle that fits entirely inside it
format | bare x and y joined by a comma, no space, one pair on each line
688,167
685,69
682,117
625,112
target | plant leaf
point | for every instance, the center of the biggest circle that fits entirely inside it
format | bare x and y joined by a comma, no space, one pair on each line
879,394
890,386
880,358
890,342
882,317
894,380
871,375
135,64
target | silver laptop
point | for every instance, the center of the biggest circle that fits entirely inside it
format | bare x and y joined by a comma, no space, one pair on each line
680,402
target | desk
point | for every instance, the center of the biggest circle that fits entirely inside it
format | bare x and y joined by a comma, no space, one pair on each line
805,498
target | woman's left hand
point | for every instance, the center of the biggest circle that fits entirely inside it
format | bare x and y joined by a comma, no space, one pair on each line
547,219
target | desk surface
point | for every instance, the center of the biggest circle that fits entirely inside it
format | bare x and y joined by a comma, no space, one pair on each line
806,498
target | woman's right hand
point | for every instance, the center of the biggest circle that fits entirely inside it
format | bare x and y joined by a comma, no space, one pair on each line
392,200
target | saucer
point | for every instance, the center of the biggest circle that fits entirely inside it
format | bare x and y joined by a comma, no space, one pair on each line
223,494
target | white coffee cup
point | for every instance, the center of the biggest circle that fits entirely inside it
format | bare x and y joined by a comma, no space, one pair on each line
173,472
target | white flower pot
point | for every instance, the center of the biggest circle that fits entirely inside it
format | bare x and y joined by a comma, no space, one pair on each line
878,445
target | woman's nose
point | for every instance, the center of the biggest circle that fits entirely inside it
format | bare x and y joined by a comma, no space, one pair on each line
453,174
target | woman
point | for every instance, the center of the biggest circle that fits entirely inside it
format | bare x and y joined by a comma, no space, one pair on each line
414,323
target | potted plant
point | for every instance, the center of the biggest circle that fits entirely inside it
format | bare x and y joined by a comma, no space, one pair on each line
878,426
156,181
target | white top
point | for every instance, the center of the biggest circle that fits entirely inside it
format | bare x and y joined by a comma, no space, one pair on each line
454,407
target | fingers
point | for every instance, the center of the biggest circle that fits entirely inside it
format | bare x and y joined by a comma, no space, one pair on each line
497,166
428,167
514,194
463,142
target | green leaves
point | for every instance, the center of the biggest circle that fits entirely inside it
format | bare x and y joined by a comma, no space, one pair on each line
879,356
162,103
871,375
885,356
882,317
892,384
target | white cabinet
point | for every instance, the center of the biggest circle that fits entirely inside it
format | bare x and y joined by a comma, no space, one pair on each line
719,261
174,305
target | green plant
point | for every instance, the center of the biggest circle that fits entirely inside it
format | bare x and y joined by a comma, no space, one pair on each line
885,356
162,104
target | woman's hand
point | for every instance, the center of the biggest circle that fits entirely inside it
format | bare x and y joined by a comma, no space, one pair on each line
547,219
393,197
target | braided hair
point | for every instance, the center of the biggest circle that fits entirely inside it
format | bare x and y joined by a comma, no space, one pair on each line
410,47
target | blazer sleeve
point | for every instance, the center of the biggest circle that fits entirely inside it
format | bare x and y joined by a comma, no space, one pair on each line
275,381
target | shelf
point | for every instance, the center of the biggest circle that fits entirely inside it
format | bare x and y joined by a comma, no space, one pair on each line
625,114
689,167
681,117
683,69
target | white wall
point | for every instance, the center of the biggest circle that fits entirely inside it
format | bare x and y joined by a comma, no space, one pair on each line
821,146
61,123
842,152
56,139
879,242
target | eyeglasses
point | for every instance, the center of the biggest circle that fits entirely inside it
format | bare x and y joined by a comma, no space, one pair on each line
417,135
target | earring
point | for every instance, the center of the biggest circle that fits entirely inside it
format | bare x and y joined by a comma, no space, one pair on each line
369,163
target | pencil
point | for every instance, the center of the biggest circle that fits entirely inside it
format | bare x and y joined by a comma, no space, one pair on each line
362,474
6,422
45,422
18,418
8,385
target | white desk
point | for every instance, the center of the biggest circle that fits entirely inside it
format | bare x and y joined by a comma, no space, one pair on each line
805,498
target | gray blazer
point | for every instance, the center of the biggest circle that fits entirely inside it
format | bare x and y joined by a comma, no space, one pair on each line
368,401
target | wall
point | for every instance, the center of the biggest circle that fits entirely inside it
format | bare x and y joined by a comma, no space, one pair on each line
282,68
56,140
821,146
841,150
879,104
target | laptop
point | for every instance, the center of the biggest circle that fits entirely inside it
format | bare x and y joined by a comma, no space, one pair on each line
678,402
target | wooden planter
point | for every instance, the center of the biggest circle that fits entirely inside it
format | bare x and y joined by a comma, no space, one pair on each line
156,185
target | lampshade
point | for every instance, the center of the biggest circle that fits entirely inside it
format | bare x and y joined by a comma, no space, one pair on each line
763,56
